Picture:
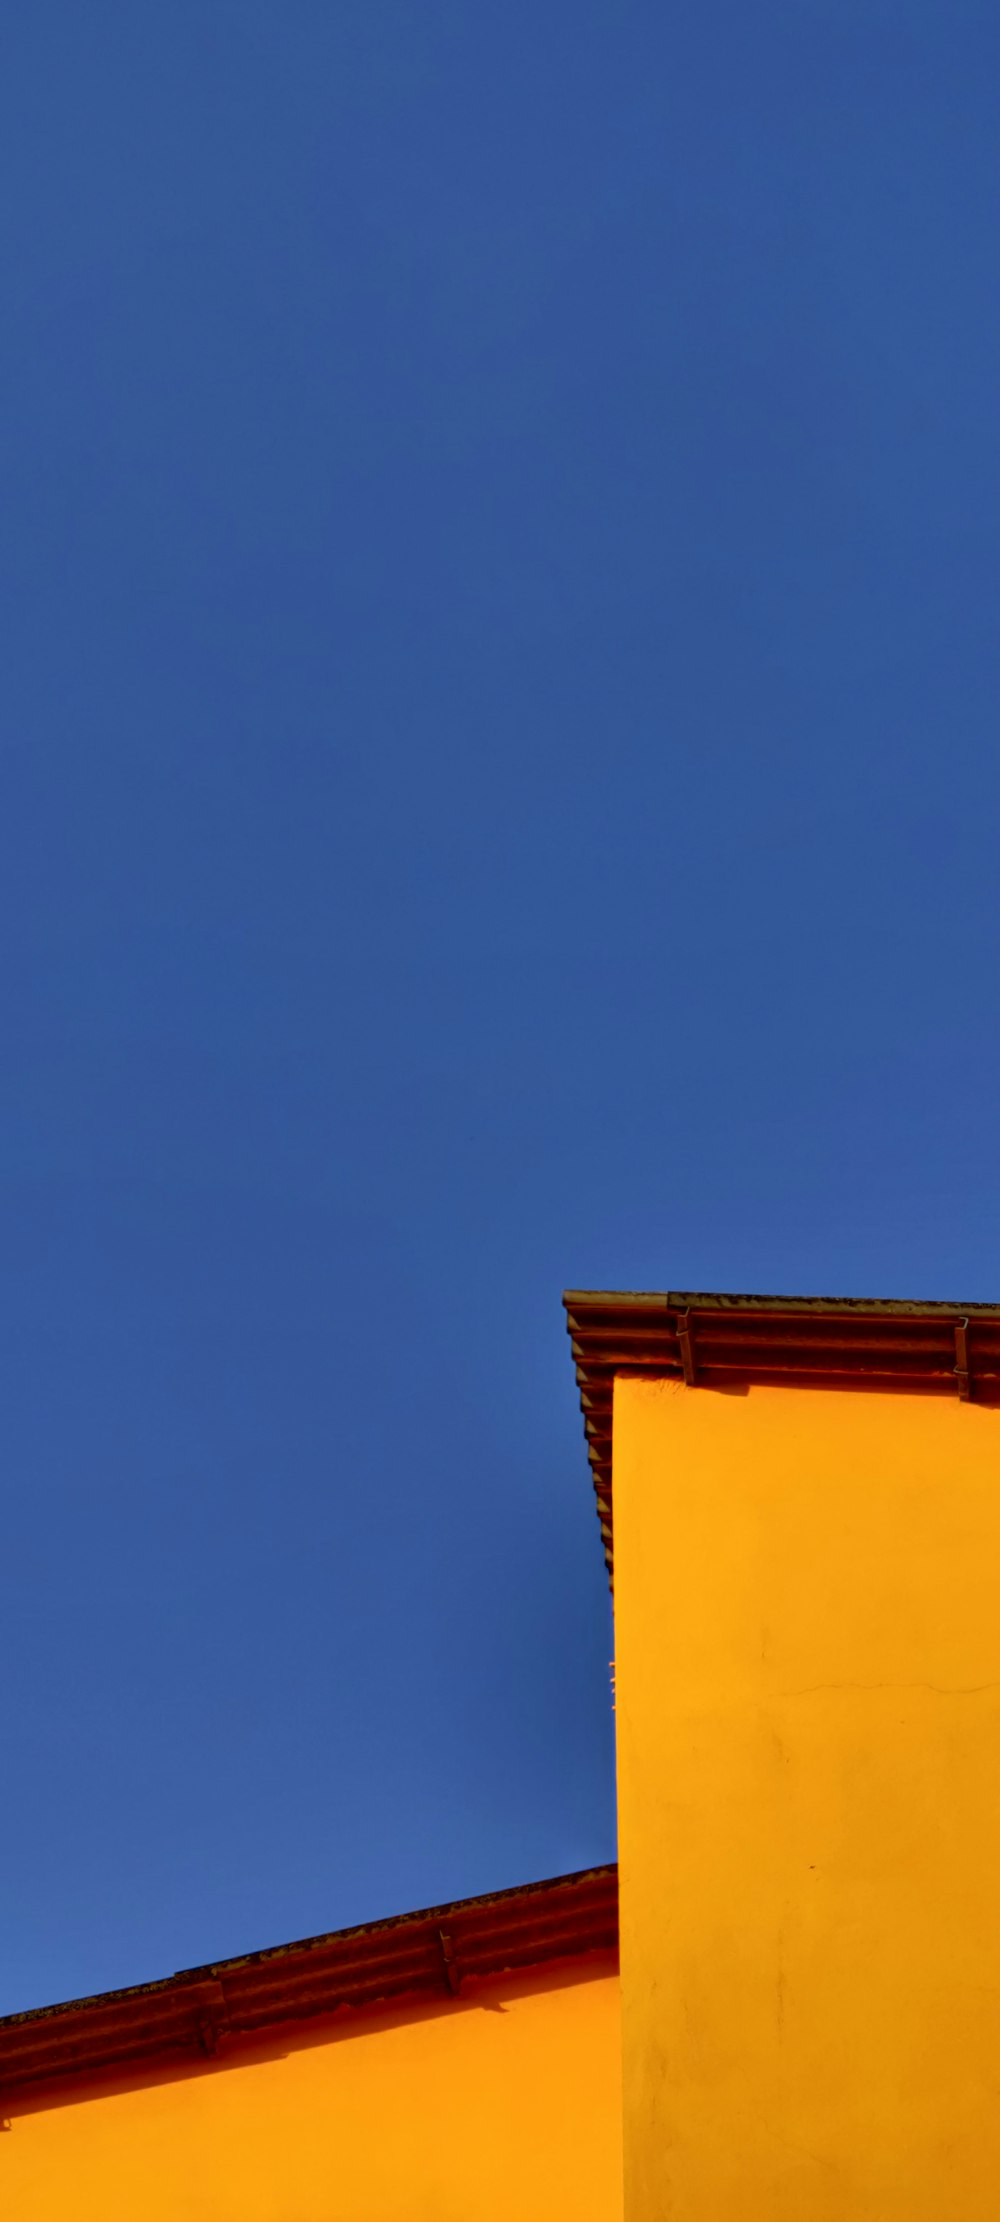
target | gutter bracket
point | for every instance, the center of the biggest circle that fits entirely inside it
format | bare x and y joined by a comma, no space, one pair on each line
685,1337
451,1974
211,2018
963,1373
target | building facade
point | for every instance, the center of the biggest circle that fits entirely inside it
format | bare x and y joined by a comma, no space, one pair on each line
802,1505
800,1509
463,2062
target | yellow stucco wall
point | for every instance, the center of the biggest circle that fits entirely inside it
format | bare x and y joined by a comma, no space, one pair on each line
506,2104
808,1687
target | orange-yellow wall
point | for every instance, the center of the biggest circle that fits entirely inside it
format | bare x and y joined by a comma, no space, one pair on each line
808,1692
503,2104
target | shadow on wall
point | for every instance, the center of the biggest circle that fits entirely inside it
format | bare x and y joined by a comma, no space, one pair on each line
346,2025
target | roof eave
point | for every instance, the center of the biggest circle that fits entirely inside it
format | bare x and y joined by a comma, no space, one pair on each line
717,1340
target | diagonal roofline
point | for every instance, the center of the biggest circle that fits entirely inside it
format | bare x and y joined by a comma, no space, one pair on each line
428,1954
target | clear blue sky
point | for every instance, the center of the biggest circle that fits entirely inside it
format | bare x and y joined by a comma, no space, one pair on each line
501,535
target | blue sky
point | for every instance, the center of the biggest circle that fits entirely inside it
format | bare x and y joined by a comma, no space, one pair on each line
500,789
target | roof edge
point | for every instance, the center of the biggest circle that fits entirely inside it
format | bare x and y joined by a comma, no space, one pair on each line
432,1953
896,1307
722,1340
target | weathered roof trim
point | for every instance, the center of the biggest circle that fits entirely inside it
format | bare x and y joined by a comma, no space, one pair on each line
428,1954
717,1341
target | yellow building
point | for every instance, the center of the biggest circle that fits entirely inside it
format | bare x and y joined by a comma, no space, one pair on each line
800,1503
462,2063
805,1521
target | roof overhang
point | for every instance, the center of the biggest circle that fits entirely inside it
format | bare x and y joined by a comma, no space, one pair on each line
816,1341
432,1954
